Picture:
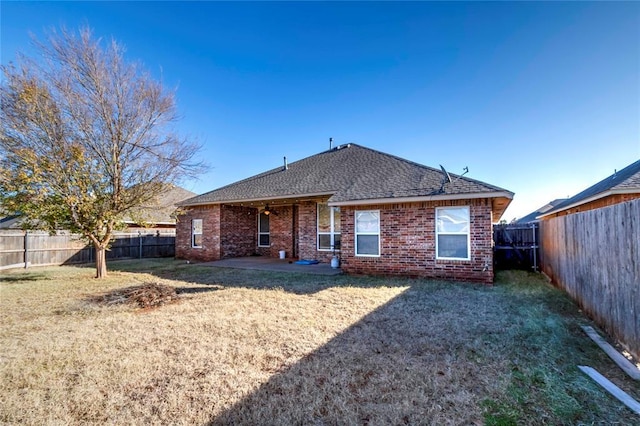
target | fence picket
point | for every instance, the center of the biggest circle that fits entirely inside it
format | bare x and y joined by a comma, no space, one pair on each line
516,246
22,249
595,257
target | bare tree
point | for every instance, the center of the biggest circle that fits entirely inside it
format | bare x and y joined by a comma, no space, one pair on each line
86,137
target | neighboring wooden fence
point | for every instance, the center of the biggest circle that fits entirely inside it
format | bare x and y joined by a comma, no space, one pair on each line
23,249
595,257
516,246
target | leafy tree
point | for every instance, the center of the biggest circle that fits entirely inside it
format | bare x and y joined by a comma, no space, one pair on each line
85,138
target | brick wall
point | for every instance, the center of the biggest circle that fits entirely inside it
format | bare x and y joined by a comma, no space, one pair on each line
239,231
407,242
232,231
281,231
307,230
407,239
308,233
210,249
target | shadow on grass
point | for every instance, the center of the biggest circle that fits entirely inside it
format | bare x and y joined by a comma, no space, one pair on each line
414,360
403,363
28,276
196,290
438,353
293,282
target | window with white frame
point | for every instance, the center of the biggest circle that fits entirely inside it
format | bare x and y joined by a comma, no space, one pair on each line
263,229
196,233
368,233
452,233
328,227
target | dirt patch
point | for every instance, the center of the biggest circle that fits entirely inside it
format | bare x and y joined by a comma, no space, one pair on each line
147,295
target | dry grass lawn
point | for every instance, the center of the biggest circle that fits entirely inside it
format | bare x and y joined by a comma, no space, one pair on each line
251,347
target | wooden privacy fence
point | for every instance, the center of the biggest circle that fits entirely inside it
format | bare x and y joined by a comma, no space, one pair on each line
595,257
516,246
32,248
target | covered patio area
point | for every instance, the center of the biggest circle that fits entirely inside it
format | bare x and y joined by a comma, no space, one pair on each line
265,263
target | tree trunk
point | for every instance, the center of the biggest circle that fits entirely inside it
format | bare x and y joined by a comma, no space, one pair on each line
101,261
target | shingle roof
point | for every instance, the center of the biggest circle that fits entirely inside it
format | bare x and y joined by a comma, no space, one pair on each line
348,173
160,210
10,222
531,217
624,181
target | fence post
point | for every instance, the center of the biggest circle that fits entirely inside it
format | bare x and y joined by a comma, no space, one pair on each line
534,247
26,249
140,244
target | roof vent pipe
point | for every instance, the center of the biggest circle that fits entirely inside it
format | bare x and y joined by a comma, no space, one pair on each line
330,143
286,166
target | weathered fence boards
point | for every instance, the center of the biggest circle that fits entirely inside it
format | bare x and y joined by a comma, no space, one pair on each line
595,257
516,246
38,248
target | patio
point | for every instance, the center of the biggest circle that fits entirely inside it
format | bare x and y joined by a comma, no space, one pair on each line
264,263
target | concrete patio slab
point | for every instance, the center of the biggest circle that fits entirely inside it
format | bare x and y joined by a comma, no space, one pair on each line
271,264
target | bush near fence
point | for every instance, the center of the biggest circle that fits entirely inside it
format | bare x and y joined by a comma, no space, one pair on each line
40,248
595,257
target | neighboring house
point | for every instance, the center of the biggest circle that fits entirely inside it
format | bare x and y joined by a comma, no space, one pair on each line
621,186
380,213
531,217
10,222
160,213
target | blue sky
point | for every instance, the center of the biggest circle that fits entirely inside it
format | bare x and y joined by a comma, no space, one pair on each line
542,99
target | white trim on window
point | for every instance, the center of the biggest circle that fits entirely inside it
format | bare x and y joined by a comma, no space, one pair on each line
334,223
455,223
264,233
367,225
196,233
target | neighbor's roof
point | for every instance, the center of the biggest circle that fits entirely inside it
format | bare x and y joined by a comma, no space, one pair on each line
352,174
625,181
10,222
531,217
160,210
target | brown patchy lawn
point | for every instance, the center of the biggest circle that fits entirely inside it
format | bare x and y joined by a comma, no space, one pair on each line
250,347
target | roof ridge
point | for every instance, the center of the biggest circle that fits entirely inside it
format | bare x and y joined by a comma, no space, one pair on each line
601,186
424,166
277,169
348,171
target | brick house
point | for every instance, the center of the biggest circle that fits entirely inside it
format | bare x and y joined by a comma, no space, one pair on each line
621,186
380,213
